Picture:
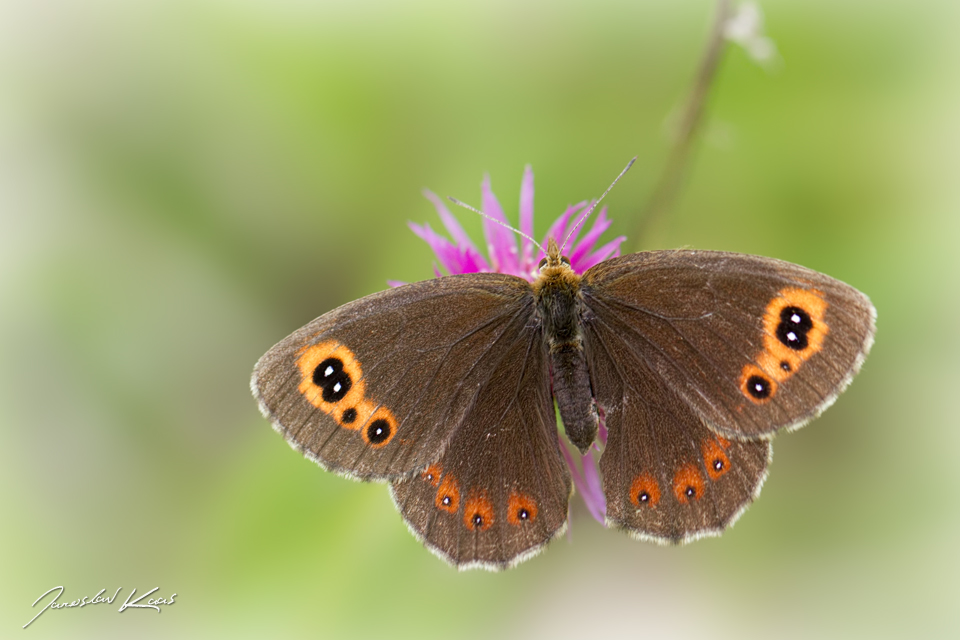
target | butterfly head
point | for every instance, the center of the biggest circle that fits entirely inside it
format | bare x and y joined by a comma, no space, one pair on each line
553,260
555,270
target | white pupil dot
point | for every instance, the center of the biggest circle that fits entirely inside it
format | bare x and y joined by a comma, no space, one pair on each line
795,319
327,372
791,336
336,387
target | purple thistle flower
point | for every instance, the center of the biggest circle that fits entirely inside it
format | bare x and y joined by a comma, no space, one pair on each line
520,259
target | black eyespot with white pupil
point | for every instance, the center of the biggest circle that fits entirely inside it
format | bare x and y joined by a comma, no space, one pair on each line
446,501
690,491
643,497
332,379
378,431
718,465
795,324
523,514
477,520
758,387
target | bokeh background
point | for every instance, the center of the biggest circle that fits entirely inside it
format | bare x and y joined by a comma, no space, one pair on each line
183,183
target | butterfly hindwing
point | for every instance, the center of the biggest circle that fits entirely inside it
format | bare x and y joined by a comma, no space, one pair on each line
752,344
666,476
376,388
500,491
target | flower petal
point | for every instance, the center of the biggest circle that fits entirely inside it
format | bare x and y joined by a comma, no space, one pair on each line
574,231
501,243
460,237
593,492
609,250
445,251
395,283
600,224
587,483
526,220
558,229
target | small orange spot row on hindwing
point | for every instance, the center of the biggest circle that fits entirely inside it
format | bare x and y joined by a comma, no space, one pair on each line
448,494
644,491
520,508
478,512
756,385
432,474
380,428
715,458
688,484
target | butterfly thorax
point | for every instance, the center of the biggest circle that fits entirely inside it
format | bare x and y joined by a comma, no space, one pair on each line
560,310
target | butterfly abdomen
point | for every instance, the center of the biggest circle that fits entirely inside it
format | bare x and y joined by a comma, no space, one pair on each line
560,305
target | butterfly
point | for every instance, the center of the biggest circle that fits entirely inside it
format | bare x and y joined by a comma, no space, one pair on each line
449,390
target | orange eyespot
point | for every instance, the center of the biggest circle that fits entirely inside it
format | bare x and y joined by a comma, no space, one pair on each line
432,474
448,494
756,385
688,484
478,512
715,458
332,380
644,492
521,508
380,428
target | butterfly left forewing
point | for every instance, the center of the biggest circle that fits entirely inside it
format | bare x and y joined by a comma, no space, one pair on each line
376,388
500,491
752,344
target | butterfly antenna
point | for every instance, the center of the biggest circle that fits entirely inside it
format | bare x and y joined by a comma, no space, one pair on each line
499,222
594,205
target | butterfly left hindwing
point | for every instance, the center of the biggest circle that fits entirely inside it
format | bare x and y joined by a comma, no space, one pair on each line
500,491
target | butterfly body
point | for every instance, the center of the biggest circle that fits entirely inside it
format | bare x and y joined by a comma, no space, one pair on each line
446,389
560,311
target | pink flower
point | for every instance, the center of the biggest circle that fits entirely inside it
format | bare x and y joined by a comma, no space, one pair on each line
460,255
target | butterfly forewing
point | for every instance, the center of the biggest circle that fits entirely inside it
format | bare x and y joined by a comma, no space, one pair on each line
752,344
376,388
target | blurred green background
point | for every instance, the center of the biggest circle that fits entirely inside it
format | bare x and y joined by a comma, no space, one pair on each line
183,183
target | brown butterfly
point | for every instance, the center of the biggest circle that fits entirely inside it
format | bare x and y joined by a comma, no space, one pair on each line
446,389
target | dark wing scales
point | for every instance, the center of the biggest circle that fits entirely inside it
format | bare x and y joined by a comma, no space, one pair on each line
666,476
500,491
376,388
754,345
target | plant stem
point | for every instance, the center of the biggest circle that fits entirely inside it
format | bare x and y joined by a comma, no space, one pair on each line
671,179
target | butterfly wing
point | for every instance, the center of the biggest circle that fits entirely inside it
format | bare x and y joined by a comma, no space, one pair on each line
666,476
500,491
376,388
753,345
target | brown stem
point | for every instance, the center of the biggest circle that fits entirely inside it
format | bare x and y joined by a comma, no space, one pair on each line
668,186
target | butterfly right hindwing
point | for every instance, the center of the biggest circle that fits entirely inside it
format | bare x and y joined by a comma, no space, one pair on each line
666,476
